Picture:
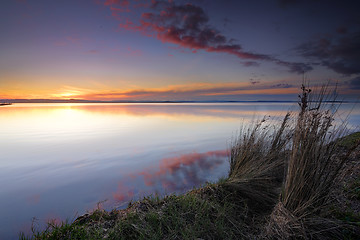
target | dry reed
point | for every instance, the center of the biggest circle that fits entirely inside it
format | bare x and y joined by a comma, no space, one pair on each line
312,170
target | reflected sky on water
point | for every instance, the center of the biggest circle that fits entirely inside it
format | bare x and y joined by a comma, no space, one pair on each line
60,160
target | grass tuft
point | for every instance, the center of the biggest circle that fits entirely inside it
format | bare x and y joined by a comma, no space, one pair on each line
257,162
313,169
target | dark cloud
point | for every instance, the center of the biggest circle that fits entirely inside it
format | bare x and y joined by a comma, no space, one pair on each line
342,30
341,55
287,3
282,85
299,68
355,83
226,21
253,81
187,26
250,64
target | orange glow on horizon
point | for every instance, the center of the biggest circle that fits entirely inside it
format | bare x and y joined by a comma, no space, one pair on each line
171,92
260,91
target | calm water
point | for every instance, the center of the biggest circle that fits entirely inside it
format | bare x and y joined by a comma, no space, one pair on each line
57,161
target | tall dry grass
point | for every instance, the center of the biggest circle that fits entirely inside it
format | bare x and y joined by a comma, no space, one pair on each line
291,168
313,163
313,168
257,162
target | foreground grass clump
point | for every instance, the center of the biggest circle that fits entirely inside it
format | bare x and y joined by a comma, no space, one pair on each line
204,213
286,181
313,170
178,217
257,162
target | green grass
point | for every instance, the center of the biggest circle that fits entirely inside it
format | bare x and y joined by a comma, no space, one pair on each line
178,217
353,190
64,230
201,213
350,140
348,216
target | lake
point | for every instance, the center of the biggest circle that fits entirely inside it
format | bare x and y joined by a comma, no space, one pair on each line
58,161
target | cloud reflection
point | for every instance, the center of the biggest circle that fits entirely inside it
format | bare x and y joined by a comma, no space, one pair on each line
175,174
33,199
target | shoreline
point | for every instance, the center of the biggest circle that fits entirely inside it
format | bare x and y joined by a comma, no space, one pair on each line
213,211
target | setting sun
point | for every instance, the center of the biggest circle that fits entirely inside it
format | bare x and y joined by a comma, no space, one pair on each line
66,95
68,92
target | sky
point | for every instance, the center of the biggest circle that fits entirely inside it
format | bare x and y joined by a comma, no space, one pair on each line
177,50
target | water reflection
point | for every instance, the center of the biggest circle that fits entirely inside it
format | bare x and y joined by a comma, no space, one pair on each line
175,174
71,110
60,159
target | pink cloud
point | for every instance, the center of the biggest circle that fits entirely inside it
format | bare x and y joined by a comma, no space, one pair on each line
187,26
122,3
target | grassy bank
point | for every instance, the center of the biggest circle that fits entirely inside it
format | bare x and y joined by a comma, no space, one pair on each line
295,180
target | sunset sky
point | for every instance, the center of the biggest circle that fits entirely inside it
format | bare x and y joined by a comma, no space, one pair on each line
177,50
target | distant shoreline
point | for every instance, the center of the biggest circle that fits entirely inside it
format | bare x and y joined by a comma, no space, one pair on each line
128,101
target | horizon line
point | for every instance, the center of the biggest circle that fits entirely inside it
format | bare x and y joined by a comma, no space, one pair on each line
44,100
